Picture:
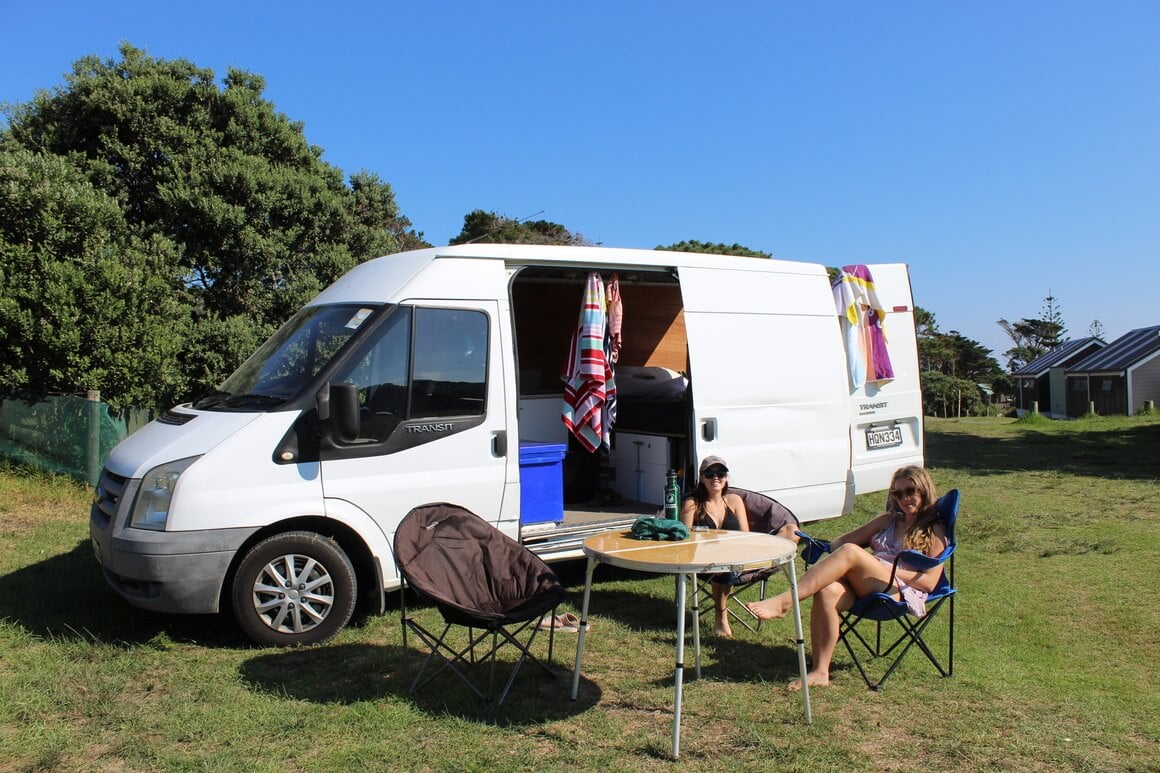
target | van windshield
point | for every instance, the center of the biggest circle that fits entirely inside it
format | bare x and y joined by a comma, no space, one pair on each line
290,359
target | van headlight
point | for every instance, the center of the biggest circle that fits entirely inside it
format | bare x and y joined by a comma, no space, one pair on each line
151,507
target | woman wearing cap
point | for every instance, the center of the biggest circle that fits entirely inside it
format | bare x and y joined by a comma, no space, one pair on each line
850,572
711,506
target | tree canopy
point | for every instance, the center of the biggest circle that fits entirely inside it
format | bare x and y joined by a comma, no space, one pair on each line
158,225
952,367
718,248
481,226
1032,338
154,218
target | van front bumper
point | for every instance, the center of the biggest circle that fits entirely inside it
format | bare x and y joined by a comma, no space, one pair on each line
172,572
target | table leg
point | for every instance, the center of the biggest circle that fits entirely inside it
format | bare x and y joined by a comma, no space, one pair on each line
583,625
801,643
696,628
680,675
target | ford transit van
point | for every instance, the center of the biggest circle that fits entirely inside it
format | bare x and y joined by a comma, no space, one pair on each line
435,376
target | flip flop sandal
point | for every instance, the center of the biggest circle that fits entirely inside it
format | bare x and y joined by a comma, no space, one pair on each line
566,622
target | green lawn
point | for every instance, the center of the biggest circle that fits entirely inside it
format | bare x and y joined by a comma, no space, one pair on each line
1056,650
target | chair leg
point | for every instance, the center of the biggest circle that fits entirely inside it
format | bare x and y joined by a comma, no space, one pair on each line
447,656
458,661
734,606
911,634
951,637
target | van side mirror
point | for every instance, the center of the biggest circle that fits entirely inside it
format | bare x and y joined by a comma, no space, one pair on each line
344,412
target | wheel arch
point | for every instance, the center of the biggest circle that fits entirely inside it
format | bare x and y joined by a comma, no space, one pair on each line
368,573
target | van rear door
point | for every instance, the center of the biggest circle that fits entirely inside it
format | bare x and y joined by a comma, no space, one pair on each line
768,380
886,417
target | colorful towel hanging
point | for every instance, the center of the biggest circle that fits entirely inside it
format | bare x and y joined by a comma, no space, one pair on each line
863,320
587,374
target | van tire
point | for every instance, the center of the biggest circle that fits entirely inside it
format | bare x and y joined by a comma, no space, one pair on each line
294,588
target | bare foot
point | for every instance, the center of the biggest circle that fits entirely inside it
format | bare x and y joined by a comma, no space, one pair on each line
813,679
723,630
769,609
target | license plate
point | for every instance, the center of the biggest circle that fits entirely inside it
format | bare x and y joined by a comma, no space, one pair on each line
887,437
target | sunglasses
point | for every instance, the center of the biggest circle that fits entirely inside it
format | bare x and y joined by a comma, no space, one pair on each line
903,493
716,472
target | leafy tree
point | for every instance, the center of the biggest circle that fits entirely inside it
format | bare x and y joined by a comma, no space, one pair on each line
1096,329
226,219
84,302
719,248
952,366
1030,338
490,227
1034,337
1054,329
944,395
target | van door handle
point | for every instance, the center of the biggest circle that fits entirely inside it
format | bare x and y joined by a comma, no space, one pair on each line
499,443
709,429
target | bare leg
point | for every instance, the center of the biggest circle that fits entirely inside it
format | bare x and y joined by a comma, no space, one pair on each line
862,573
721,607
824,622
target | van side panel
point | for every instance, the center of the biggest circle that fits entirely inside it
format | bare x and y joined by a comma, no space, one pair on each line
876,410
769,382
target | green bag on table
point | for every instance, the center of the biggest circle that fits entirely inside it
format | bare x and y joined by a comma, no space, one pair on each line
660,529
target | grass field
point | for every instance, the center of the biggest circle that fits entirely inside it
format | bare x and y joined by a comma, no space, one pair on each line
1056,651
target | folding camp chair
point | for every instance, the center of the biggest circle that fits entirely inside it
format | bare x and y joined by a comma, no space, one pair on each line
766,515
480,579
882,608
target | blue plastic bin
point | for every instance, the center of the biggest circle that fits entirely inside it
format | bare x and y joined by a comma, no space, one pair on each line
541,482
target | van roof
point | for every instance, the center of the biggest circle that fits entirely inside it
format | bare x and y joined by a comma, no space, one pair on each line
561,255
396,270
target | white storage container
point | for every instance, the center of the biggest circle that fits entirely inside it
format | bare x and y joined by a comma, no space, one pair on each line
642,462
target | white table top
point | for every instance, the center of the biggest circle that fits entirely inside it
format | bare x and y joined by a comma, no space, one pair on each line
714,550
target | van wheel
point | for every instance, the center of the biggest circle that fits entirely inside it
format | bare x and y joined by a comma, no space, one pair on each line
294,588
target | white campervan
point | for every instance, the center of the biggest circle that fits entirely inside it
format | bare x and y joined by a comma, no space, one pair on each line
435,376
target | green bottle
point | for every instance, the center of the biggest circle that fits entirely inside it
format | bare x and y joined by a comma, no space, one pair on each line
672,496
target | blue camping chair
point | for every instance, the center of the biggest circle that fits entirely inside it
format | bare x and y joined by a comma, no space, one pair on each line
881,609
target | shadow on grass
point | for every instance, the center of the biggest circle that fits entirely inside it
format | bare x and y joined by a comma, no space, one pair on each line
354,673
1129,452
654,617
65,597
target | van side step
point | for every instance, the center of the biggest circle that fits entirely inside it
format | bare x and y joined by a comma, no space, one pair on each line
566,540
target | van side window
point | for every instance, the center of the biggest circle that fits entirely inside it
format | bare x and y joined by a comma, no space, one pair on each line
449,375
438,371
380,373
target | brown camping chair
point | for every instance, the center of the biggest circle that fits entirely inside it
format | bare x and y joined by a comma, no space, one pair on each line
480,579
765,515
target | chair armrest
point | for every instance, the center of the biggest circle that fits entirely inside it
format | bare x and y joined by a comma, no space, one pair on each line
813,549
913,559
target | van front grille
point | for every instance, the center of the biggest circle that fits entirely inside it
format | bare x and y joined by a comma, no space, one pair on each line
110,489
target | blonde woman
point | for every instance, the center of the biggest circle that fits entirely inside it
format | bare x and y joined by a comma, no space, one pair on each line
850,572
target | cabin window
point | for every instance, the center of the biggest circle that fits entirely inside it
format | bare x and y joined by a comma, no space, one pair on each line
439,371
450,371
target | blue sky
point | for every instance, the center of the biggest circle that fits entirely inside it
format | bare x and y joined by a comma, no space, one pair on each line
1003,150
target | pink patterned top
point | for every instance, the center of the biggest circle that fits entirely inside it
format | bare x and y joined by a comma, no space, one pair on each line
887,544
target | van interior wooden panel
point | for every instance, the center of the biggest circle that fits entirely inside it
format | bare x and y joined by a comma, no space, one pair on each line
654,327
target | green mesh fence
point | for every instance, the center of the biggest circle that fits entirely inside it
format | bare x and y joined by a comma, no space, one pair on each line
62,433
